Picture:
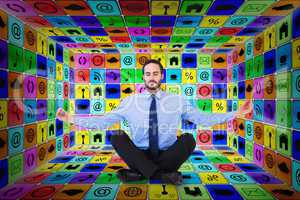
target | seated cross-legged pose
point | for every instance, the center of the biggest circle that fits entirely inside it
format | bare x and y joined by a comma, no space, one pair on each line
154,150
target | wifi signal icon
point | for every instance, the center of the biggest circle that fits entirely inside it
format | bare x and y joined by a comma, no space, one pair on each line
97,77
258,110
30,112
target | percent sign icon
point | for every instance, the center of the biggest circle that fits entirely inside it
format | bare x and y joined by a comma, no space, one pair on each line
213,177
219,106
189,75
112,105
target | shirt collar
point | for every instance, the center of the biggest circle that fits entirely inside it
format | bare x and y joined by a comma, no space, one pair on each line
158,94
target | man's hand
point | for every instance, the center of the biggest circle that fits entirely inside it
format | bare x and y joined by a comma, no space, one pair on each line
246,108
63,116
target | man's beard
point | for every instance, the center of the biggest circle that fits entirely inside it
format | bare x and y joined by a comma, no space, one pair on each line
154,87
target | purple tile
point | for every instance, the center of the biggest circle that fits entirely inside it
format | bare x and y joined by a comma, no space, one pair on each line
258,155
41,110
71,153
219,75
72,91
41,65
258,88
15,191
264,21
112,76
139,31
269,111
241,71
143,50
62,39
17,8
162,39
34,178
3,53
84,178
250,31
140,88
162,21
264,178
94,31
29,87
86,21
30,160
71,75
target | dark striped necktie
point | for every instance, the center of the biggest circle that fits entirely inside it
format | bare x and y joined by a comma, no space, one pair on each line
153,129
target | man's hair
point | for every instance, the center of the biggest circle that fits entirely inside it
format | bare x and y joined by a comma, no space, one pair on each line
154,62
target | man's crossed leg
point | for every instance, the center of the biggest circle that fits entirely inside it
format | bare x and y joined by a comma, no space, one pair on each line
142,165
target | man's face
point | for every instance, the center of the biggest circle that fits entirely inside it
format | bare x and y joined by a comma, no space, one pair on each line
152,76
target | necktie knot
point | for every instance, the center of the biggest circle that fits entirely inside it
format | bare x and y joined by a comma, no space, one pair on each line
152,96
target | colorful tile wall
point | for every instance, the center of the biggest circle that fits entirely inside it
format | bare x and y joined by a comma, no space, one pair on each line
86,56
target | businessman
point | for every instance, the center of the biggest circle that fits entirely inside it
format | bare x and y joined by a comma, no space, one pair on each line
154,150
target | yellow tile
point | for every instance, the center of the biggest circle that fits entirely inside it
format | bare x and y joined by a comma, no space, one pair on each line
158,191
213,178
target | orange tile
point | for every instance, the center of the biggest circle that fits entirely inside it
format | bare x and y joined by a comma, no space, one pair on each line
284,168
219,60
30,134
29,38
269,87
4,142
258,133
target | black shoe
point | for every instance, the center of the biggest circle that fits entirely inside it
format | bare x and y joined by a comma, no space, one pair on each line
172,178
127,175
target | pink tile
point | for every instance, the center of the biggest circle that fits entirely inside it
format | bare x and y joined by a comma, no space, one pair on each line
258,88
139,31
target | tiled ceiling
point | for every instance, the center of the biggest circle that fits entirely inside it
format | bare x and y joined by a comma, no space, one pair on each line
150,26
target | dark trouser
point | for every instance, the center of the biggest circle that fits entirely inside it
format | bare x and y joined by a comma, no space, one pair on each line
140,160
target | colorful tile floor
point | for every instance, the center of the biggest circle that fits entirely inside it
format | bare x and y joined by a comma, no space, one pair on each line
86,172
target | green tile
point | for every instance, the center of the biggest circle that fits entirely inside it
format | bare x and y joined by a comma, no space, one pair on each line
250,192
258,66
195,7
111,21
249,69
127,75
137,21
15,167
15,58
283,85
204,105
139,76
30,62
180,39
283,113
284,141
107,178
193,192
